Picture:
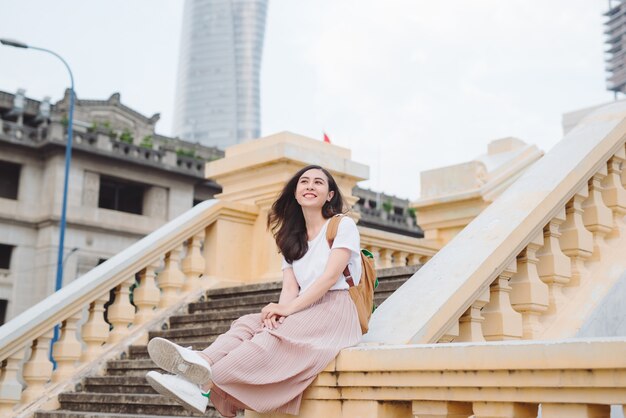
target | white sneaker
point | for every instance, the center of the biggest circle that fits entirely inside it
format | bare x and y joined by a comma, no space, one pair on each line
186,393
179,360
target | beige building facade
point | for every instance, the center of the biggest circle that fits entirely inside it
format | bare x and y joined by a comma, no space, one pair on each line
125,181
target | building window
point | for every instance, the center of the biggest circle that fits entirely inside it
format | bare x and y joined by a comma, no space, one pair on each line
121,195
5,256
3,310
9,180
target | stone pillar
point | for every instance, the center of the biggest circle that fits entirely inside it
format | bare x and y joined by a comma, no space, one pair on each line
554,267
470,323
501,321
155,202
91,189
254,173
576,240
529,295
597,217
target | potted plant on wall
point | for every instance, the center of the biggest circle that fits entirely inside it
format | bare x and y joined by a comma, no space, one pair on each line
411,219
387,208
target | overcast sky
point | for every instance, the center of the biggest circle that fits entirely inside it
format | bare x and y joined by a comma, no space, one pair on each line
408,85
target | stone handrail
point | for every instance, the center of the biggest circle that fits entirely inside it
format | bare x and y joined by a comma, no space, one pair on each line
159,251
571,378
503,276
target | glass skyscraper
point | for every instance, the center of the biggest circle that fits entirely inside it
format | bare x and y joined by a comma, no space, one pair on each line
217,93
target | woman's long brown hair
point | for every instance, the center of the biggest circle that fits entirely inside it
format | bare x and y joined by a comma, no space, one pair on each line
286,220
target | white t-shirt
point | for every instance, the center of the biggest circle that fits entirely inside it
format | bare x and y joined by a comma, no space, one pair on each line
311,266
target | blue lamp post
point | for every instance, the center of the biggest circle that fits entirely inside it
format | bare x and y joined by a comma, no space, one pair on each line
68,155
68,158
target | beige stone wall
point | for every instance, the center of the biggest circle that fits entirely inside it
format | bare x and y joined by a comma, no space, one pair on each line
454,195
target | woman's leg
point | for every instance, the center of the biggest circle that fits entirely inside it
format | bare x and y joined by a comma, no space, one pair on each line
241,330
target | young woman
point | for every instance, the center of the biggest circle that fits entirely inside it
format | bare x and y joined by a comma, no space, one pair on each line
266,360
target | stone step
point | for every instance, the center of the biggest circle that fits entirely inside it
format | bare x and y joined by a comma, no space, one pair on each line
268,287
74,414
141,351
390,285
227,315
127,404
253,301
117,384
260,294
230,302
131,364
196,331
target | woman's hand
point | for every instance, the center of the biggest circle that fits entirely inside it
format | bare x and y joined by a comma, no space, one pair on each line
274,314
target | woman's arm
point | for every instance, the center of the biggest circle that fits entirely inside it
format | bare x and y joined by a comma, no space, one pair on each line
290,287
337,262
288,293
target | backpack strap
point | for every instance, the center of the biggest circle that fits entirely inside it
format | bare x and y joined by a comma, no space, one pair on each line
331,233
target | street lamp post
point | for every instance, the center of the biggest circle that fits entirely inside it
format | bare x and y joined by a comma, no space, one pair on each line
68,155
68,158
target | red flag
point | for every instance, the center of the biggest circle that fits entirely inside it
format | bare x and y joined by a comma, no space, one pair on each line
326,138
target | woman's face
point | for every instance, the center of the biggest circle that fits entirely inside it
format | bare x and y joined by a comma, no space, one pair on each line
312,189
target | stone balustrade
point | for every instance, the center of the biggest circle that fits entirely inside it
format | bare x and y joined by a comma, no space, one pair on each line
556,268
394,250
88,140
575,378
23,134
167,267
526,266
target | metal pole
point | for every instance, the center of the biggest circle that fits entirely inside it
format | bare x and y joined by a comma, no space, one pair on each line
68,159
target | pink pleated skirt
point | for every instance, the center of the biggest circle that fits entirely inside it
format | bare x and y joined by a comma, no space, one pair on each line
267,370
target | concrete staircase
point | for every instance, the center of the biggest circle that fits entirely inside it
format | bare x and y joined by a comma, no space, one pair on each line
123,391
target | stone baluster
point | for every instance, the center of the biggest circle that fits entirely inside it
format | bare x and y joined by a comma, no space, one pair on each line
597,217
576,241
171,279
67,350
529,295
399,258
10,387
572,410
146,295
376,253
38,369
554,267
193,264
121,313
385,258
470,323
95,332
504,410
613,192
414,259
441,409
501,321
451,334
